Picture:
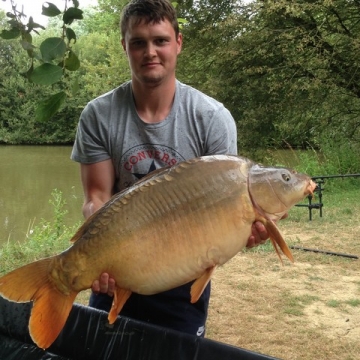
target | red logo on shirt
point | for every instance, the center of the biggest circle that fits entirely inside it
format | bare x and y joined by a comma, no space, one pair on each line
166,158
143,159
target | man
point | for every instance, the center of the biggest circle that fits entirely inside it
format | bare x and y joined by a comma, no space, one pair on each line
150,122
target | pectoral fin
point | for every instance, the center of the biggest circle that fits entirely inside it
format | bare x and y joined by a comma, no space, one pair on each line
120,298
199,285
276,238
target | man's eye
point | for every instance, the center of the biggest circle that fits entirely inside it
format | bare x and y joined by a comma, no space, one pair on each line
137,43
161,41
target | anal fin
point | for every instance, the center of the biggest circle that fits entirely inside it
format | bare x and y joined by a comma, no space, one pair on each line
199,285
120,298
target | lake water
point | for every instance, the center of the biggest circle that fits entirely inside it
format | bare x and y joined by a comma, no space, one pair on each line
28,175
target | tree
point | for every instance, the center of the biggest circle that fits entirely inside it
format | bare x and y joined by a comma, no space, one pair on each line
287,70
294,70
103,67
54,54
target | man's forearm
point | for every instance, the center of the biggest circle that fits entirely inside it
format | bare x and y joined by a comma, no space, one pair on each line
90,207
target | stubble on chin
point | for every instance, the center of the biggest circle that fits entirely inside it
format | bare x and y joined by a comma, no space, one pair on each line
152,80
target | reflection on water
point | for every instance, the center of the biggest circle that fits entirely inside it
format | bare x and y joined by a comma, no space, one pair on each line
28,175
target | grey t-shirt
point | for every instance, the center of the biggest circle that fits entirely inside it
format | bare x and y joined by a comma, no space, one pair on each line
110,128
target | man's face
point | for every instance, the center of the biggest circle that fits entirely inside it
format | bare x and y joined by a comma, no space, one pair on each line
152,51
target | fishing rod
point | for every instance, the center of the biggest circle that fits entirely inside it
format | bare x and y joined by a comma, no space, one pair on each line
324,252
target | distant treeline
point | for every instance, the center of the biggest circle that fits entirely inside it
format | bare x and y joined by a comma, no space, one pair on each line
287,70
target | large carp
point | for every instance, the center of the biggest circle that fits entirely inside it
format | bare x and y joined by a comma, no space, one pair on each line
173,226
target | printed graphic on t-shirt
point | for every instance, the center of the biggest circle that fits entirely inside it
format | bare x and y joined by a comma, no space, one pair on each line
142,159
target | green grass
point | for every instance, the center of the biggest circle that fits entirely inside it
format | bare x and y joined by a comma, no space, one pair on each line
329,159
46,239
333,303
295,305
353,302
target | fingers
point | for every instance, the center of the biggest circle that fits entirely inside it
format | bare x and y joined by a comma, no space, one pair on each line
111,287
105,285
258,236
95,288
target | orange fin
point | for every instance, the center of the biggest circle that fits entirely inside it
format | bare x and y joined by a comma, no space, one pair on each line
199,285
276,238
120,298
51,308
48,315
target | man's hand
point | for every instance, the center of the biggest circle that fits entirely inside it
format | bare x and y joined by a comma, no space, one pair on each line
259,234
105,285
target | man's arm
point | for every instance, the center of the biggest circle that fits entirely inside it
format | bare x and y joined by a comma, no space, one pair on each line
98,181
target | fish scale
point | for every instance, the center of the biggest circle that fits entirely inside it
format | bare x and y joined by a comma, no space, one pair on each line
175,225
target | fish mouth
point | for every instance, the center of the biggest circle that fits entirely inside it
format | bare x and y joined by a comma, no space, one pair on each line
310,188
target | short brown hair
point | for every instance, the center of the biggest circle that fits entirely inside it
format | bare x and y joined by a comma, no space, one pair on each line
153,11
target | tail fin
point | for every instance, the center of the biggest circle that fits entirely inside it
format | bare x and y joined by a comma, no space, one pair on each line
51,307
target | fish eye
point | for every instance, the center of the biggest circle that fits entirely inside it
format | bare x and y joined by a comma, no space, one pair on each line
286,177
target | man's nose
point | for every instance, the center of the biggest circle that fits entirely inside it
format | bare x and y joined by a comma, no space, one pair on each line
150,49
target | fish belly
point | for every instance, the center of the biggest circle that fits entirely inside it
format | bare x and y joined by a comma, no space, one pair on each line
170,229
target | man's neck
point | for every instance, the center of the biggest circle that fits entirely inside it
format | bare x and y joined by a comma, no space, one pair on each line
154,103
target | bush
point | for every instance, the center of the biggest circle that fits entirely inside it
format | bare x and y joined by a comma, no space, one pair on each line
46,239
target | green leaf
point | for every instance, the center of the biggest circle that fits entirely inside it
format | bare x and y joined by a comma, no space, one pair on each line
33,25
46,74
72,62
70,34
14,23
10,15
181,22
26,45
13,33
50,10
72,14
27,37
49,107
52,48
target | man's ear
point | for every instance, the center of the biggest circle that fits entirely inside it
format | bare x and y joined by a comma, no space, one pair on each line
179,42
123,45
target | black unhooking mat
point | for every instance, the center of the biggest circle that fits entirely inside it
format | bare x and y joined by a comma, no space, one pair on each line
87,335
